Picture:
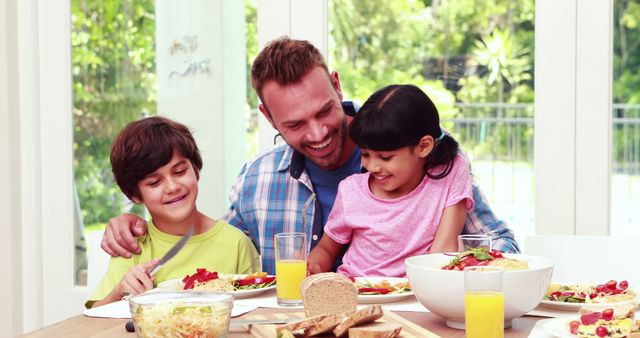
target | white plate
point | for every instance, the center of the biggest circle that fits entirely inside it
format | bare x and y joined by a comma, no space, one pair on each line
388,298
175,284
563,306
559,327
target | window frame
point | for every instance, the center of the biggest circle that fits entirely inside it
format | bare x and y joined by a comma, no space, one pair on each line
573,100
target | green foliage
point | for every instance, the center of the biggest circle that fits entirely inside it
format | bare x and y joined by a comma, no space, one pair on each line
626,84
626,44
458,51
113,60
251,37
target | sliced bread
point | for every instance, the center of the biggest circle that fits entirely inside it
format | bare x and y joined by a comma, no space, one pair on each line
328,293
363,316
300,325
376,330
325,325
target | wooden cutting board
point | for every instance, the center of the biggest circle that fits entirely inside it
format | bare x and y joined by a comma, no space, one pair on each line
409,328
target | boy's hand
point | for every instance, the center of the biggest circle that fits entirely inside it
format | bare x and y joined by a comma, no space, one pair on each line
119,240
137,280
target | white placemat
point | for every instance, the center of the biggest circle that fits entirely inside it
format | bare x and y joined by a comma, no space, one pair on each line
268,300
542,311
538,330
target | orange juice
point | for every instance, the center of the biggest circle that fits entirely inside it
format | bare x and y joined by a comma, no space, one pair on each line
289,276
484,314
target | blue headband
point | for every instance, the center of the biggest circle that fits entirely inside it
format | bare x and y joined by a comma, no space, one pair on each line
442,135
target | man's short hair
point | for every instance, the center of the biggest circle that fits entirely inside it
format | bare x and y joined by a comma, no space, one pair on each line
285,61
145,145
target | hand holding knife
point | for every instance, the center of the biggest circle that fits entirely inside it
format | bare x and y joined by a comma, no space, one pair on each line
172,252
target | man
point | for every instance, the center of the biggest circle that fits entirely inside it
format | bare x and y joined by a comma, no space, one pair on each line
303,101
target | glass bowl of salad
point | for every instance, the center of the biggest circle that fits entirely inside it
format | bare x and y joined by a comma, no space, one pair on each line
181,314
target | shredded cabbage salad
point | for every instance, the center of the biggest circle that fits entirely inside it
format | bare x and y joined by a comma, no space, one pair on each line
182,320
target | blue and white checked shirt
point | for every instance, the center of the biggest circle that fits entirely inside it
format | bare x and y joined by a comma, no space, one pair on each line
268,196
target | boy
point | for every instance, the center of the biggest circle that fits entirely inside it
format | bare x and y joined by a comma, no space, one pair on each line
156,162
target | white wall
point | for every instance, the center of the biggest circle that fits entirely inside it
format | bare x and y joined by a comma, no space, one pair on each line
10,248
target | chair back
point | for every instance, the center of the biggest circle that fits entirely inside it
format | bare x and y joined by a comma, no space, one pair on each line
588,259
97,260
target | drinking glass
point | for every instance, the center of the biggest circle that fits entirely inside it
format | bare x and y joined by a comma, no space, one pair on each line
473,241
483,302
291,266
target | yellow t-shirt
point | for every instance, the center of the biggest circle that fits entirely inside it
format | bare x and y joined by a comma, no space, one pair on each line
223,248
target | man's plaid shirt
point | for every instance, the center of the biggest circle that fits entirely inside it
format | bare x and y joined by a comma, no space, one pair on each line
268,196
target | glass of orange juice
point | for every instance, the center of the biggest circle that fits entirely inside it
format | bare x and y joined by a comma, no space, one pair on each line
483,302
291,266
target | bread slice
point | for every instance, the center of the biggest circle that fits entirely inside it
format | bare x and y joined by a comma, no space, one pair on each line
328,293
325,325
300,325
376,330
363,316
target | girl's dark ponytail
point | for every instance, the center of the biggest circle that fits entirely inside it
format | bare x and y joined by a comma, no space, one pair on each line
443,154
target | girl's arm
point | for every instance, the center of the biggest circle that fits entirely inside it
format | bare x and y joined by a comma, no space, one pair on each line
450,227
324,255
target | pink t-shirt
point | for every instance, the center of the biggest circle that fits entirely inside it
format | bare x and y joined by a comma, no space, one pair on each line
384,232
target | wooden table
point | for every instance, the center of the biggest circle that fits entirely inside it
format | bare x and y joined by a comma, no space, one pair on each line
81,326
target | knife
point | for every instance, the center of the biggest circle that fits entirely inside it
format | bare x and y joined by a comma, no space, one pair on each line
263,321
172,252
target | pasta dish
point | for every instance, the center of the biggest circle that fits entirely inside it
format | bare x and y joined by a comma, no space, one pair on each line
383,287
482,256
609,292
214,281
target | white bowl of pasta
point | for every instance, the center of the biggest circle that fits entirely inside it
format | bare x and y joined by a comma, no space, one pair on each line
181,314
442,291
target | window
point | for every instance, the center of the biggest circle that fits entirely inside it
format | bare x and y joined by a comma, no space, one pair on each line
132,59
625,181
474,59
114,83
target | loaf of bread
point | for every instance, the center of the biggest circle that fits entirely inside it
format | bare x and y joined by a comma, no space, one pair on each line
363,316
328,293
376,330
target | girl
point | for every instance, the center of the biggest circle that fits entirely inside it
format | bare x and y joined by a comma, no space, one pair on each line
414,198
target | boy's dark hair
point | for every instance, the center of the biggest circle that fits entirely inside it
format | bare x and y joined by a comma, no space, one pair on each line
285,61
145,145
397,116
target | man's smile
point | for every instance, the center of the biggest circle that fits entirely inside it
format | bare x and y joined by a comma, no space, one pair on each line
321,146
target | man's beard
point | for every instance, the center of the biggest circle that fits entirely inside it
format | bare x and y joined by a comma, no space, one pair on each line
333,160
